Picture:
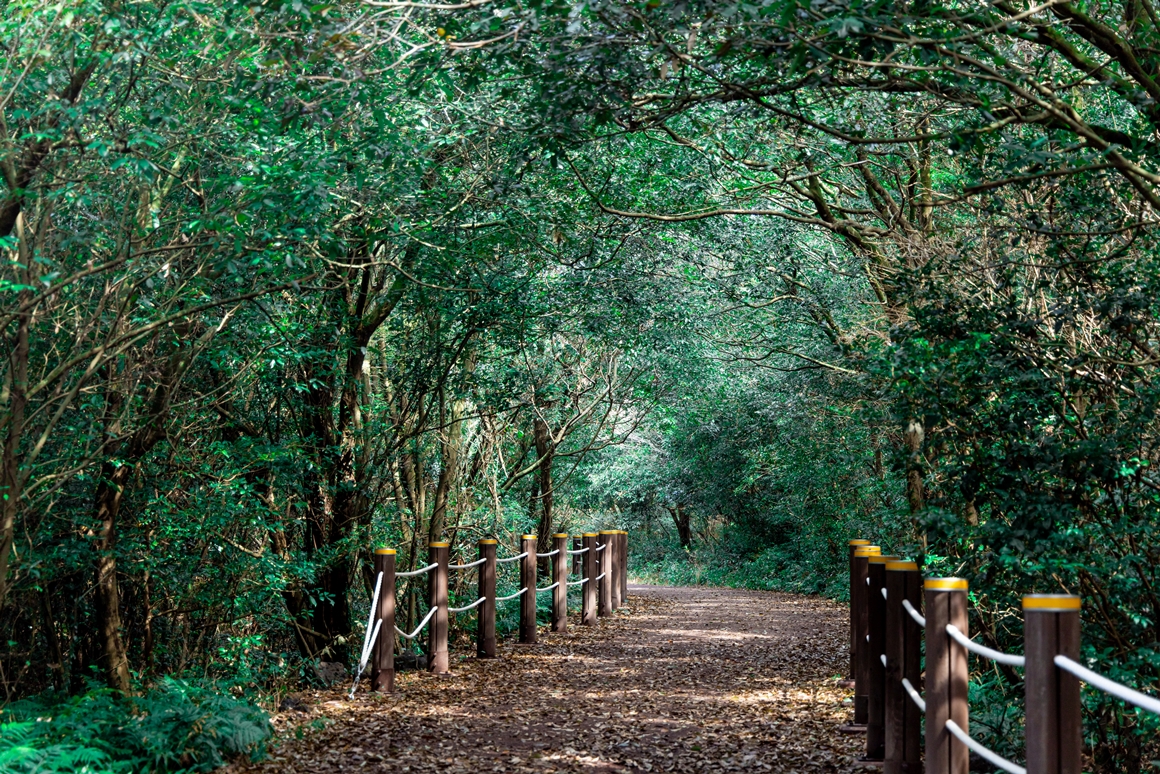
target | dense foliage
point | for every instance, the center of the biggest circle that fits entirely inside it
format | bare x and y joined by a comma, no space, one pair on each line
284,282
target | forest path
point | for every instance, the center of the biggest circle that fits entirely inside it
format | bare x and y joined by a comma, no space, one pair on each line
681,679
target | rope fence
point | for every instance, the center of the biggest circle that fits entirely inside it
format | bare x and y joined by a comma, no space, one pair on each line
889,638
607,592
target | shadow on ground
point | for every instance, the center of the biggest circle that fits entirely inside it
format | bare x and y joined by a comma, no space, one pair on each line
682,679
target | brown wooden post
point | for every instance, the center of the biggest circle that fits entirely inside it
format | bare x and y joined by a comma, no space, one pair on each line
612,539
876,671
623,566
560,576
1054,733
853,545
383,663
858,600
528,598
604,578
903,654
946,676
485,621
588,590
438,657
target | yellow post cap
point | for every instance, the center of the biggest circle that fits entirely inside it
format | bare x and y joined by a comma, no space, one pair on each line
945,584
528,537
488,542
385,551
438,544
590,534
883,559
1051,602
560,534
858,542
607,532
903,565
867,551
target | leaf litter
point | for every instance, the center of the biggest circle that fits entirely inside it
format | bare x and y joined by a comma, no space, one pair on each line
679,680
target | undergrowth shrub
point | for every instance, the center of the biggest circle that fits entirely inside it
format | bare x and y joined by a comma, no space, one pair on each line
174,727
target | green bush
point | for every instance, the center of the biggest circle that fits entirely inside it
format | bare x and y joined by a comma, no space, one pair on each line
175,727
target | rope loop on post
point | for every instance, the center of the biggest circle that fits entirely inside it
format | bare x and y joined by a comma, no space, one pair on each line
419,628
511,558
1096,680
548,588
553,552
909,608
413,573
465,609
982,751
600,546
476,563
511,596
913,694
577,551
982,650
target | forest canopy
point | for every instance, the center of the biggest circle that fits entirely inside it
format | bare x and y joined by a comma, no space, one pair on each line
284,282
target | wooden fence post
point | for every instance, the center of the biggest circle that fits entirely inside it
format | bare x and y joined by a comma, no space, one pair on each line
611,567
903,654
485,621
383,666
623,566
604,585
438,657
588,590
1053,730
849,683
876,670
528,598
560,576
946,676
858,599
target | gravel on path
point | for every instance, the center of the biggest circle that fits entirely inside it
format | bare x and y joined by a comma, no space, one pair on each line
681,679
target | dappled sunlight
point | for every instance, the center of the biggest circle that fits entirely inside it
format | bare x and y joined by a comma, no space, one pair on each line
680,680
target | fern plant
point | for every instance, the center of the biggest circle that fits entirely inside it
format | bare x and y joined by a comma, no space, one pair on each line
174,727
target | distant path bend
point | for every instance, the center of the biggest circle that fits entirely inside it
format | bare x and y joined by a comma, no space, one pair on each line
684,679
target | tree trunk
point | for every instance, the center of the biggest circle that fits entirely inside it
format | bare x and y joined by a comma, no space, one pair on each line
545,451
684,527
913,439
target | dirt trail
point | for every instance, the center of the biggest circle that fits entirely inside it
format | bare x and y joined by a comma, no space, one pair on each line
684,679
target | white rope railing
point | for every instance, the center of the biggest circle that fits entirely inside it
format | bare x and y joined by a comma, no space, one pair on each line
580,582
465,609
372,634
600,546
601,575
1096,680
983,752
419,628
553,552
913,694
983,650
883,590
476,563
882,658
413,573
909,608
548,588
511,596
577,551
511,558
